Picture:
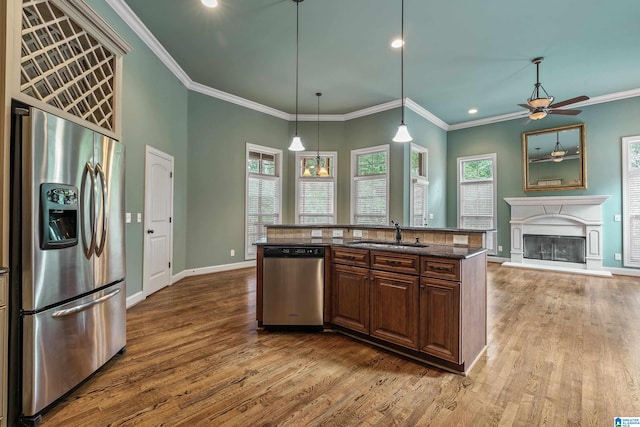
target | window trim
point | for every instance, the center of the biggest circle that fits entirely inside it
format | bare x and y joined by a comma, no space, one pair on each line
414,179
626,215
354,167
277,153
334,178
494,180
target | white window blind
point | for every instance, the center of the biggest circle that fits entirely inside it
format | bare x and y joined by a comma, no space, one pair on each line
419,186
477,195
316,192
263,190
370,186
631,200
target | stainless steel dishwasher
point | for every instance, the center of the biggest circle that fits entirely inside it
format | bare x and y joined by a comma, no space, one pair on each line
293,287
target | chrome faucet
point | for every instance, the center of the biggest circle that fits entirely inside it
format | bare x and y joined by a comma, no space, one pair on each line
398,231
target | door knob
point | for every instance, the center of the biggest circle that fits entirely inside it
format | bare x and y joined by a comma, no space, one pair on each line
149,231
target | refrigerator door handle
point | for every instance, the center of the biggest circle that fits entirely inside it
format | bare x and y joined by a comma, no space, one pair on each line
82,307
105,212
88,250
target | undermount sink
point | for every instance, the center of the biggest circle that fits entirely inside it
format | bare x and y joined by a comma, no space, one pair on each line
389,245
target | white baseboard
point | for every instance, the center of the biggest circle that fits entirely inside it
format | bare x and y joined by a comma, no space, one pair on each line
492,258
603,273
135,299
624,271
213,269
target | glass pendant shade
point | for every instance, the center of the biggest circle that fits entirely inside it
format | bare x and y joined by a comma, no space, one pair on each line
296,144
540,102
537,115
558,159
210,3
402,135
323,171
306,173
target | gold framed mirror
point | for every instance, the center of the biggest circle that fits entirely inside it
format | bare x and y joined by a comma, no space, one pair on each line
555,159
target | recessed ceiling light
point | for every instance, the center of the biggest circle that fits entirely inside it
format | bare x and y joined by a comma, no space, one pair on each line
473,111
397,43
210,3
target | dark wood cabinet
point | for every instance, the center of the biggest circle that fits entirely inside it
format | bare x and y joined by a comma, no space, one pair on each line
351,297
394,308
440,319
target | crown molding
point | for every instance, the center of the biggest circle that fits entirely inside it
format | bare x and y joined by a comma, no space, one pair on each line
426,114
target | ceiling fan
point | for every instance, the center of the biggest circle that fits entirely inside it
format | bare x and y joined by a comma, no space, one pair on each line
540,102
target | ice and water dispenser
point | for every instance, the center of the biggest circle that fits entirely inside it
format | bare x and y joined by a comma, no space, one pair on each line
59,216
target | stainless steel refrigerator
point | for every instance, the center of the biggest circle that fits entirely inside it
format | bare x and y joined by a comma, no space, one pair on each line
67,240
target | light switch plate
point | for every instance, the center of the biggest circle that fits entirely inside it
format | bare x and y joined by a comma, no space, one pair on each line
337,233
617,218
139,217
127,217
617,257
460,240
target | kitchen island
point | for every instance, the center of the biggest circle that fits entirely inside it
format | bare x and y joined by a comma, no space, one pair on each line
422,299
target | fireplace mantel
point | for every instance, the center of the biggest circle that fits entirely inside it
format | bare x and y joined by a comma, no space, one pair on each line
558,215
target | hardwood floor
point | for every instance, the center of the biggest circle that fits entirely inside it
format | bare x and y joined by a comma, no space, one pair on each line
563,350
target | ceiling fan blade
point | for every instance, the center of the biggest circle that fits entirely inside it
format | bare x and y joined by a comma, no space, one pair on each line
569,101
527,106
526,122
565,112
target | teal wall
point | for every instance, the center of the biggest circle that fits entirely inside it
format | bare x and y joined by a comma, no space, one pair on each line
218,133
154,112
606,124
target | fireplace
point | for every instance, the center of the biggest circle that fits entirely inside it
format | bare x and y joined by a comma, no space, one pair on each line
561,233
555,248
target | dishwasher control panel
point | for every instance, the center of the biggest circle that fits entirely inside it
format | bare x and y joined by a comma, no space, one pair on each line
294,251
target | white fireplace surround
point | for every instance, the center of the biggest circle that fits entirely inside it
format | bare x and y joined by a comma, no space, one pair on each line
558,216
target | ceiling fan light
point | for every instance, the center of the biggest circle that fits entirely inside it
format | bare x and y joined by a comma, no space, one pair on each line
210,3
558,153
402,135
558,159
540,102
296,144
537,115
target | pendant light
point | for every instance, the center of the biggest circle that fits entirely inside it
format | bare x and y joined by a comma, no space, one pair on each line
558,151
322,170
403,133
296,143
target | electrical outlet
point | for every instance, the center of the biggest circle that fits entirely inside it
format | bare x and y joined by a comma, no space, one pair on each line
617,257
127,217
139,217
357,233
232,252
337,233
316,233
617,218
500,248
430,216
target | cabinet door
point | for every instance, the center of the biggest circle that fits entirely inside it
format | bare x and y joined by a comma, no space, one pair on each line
440,319
351,297
394,308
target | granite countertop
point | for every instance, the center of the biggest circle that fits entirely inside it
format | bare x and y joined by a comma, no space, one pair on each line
425,249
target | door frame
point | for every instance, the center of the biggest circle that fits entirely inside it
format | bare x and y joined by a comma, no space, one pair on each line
149,150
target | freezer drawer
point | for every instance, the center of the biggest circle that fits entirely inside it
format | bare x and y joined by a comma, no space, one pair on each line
67,343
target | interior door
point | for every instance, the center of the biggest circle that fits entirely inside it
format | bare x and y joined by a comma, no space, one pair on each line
158,212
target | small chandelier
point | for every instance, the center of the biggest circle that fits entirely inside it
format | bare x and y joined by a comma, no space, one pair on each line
403,133
321,169
296,143
558,151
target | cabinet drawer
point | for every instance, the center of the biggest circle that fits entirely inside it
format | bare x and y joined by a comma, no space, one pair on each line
441,268
353,257
395,262
3,289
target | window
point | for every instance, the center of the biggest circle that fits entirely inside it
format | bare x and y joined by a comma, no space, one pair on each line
631,200
370,186
419,186
315,190
477,195
264,187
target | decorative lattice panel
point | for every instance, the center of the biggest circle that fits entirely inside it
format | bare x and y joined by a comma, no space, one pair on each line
62,65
